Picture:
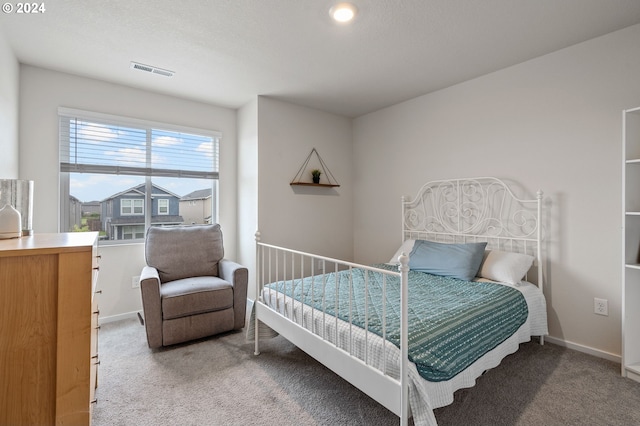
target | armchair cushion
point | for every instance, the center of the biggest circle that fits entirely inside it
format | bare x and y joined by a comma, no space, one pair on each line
197,295
202,243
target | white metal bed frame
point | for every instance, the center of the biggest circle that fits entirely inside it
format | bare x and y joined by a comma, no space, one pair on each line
458,210
473,210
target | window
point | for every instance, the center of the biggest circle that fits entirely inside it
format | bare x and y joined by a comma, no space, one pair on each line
163,206
130,207
132,232
130,174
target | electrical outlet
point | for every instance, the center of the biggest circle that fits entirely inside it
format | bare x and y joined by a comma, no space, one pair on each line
600,306
135,281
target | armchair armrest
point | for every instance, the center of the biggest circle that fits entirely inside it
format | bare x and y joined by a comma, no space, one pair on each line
238,276
149,272
152,307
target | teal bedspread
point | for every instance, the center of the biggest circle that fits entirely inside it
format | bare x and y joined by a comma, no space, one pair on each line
452,322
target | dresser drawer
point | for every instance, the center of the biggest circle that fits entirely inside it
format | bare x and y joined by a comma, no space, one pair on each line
95,359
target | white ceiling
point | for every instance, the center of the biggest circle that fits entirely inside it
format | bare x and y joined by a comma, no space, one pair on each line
226,52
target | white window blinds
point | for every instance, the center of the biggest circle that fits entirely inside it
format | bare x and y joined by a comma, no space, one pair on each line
98,143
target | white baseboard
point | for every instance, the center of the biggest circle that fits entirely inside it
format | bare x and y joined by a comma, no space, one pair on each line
113,318
585,349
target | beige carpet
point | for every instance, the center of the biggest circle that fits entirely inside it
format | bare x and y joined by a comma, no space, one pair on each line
218,381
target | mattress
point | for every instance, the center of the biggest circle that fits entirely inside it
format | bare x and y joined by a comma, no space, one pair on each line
424,395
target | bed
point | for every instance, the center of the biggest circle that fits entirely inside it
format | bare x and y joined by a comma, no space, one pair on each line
456,298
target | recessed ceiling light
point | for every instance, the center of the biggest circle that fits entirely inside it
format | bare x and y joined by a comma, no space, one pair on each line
343,12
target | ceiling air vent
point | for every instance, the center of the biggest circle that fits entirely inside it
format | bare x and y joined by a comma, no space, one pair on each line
151,69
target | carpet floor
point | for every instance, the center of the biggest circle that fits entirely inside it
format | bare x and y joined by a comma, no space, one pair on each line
218,381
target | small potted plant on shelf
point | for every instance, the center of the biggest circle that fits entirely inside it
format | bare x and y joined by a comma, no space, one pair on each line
315,174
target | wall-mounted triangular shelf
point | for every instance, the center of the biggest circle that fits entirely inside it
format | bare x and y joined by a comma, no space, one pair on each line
299,178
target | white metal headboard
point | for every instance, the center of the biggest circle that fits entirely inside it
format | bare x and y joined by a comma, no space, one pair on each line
475,210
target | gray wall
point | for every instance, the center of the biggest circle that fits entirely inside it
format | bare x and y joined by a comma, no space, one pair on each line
552,123
318,220
9,81
43,91
248,188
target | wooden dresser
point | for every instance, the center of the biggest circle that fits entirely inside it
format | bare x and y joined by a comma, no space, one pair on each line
48,329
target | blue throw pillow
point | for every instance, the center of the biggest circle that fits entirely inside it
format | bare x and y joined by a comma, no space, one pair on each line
460,261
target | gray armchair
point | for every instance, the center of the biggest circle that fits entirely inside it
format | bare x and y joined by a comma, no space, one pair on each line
188,289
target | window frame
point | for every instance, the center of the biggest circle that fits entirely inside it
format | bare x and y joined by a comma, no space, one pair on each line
213,176
134,231
166,203
132,206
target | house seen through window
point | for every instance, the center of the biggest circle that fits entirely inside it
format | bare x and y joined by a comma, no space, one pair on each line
118,176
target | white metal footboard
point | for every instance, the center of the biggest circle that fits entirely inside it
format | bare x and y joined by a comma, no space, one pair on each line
342,346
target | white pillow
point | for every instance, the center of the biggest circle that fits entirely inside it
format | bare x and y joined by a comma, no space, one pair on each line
405,248
505,267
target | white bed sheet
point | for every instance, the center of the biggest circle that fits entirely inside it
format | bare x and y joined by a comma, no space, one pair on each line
424,396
